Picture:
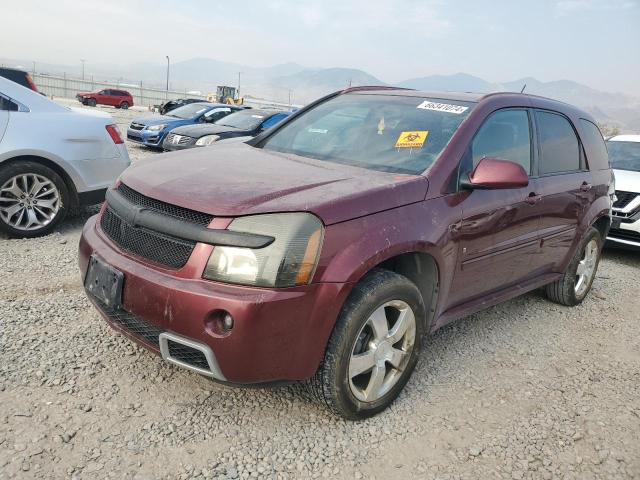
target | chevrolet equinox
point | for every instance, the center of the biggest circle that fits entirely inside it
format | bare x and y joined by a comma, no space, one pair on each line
326,248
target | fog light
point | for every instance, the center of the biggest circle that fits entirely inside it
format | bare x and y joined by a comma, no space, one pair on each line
227,322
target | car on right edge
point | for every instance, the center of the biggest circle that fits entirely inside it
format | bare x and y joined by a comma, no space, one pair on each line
326,248
624,153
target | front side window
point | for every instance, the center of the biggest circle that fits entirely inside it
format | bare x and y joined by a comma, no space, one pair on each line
505,135
379,132
624,155
559,147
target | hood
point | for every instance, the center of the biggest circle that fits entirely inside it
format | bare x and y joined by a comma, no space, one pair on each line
200,129
159,119
237,179
627,180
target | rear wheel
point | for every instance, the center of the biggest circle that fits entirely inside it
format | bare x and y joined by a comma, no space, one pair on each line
374,346
576,282
91,102
124,105
33,199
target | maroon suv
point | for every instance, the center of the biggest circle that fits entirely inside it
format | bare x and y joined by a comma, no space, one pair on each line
115,98
328,247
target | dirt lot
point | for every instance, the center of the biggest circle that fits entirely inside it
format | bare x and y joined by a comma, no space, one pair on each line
527,389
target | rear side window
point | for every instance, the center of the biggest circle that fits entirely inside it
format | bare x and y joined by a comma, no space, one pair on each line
559,147
597,155
6,104
505,135
270,122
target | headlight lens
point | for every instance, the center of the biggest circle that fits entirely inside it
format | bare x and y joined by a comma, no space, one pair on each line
157,128
207,140
290,260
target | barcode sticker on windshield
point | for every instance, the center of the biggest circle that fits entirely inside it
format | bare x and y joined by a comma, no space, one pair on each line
443,107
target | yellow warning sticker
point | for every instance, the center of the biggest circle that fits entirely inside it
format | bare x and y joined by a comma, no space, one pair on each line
412,139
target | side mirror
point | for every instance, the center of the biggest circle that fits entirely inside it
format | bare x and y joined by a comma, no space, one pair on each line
494,173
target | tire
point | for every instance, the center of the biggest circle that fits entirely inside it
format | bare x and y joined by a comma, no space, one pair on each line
572,288
92,102
124,105
53,191
354,334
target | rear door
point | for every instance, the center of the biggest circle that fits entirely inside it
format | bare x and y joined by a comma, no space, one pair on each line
499,229
564,184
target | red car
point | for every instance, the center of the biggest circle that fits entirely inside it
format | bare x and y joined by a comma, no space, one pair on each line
115,98
326,248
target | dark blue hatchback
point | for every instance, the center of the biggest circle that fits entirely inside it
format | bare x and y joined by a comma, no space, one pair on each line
151,131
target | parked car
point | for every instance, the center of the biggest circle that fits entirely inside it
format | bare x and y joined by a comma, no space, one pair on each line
52,160
624,152
325,248
19,76
108,96
245,123
151,131
166,107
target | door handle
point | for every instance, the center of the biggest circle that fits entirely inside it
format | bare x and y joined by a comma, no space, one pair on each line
585,187
533,198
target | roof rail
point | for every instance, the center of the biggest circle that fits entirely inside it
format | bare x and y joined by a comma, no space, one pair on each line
365,88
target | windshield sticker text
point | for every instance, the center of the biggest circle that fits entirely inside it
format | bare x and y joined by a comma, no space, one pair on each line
443,107
317,130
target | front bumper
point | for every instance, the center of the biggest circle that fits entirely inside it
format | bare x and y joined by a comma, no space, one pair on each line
278,334
146,137
625,227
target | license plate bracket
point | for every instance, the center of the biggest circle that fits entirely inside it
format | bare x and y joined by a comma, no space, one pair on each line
104,282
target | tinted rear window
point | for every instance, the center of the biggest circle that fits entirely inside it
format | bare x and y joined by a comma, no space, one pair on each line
379,132
559,147
596,149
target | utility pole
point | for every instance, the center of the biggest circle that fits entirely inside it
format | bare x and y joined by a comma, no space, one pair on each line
82,61
290,92
239,73
34,68
168,61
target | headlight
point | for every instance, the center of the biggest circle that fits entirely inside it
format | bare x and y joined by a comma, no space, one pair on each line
290,260
157,128
207,140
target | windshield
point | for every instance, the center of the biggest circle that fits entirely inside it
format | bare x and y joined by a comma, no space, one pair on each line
189,111
244,120
624,155
379,132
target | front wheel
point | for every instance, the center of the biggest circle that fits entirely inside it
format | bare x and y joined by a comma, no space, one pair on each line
576,282
374,346
91,102
33,199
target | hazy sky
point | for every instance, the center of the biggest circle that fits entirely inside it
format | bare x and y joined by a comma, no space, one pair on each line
596,42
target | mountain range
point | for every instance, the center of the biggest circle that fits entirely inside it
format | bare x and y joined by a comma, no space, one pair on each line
294,83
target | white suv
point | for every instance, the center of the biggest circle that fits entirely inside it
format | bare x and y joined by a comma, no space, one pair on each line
624,153
52,160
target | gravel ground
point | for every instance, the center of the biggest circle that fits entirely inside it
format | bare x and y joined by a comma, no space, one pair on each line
524,390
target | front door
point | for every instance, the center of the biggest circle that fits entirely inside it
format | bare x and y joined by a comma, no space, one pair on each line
499,228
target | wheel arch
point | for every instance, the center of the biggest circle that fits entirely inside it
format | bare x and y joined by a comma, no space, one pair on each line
602,224
422,270
68,181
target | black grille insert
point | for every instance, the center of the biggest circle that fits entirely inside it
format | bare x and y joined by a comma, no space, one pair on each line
188,355
166,208
136,326
624,234
156,247
624,198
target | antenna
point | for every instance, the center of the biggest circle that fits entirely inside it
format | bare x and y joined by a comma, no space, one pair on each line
523,87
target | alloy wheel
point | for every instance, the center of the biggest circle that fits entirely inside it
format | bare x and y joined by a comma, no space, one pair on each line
382,350
586,267
29,201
